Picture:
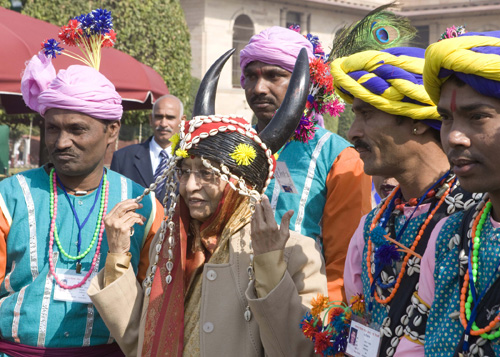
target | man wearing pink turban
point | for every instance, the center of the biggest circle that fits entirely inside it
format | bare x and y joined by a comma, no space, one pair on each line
52,238
322,180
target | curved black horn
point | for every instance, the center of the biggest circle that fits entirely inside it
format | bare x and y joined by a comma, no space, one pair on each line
287,118
204,104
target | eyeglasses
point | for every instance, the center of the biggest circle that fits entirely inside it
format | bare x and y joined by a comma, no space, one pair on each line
203,175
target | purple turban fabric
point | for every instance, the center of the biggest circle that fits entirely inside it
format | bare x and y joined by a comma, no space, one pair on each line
277,46
78,88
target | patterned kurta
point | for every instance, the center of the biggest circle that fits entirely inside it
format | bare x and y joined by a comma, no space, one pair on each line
380,312
29,313
333,193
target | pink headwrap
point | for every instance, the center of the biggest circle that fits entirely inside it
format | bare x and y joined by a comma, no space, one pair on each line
79,88
275,45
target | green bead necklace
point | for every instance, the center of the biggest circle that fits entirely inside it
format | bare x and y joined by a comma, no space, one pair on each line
475,265
53,201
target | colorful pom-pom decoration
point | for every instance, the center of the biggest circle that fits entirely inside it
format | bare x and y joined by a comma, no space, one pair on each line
322,98
89,32
386,254
377,236
328,333
318,304
51,48
452,32
243,154
357,305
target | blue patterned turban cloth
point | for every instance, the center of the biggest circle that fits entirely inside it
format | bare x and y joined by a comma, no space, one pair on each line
390,80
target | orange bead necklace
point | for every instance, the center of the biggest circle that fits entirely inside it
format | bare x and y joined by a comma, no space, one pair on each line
412,249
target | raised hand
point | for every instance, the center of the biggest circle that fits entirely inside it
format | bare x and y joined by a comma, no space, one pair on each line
266,235
119,224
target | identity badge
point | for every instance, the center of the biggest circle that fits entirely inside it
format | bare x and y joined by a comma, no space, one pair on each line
71,277
363,341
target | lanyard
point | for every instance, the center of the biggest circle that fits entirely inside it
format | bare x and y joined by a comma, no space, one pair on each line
80,226
401,231
383,223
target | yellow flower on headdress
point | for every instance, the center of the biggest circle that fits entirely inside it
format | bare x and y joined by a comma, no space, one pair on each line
181,153
174,139
319,304
243,154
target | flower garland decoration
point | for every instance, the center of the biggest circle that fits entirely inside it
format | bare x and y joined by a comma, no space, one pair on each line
89,32
243,154
330,333
452,32
322,98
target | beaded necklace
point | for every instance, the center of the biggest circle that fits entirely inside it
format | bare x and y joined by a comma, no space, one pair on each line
79,256
467,306
442,196
54,236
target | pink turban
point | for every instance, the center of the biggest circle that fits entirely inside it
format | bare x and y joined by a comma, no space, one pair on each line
275,45
79,88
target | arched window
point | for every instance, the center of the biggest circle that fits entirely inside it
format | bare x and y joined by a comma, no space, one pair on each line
242,31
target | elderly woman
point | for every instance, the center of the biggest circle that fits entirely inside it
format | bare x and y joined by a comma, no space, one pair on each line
223,280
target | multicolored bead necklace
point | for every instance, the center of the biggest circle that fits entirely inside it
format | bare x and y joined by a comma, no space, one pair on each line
467,303
54,236
441,194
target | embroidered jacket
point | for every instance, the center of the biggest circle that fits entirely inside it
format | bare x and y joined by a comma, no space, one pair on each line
29,313
393,317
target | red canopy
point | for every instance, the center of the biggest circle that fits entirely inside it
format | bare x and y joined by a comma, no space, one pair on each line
20,39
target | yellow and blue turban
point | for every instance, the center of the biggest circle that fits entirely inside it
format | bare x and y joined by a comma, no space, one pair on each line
474,57
390,80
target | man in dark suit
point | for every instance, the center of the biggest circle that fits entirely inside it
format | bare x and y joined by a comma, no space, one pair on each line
143,162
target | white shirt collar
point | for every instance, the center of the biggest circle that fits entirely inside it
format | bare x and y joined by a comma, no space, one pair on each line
156,148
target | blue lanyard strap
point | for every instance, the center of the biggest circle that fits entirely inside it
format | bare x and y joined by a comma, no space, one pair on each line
80,226
383,223
405,225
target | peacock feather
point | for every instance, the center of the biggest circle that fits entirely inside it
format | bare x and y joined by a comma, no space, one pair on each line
378,30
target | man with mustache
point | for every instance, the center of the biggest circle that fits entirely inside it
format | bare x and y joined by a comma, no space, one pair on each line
52,238
459,278
321,179
396,132
144,162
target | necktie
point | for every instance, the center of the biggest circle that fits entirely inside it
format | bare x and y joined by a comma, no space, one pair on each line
159,170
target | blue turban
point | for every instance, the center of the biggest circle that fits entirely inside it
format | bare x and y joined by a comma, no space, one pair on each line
390,80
